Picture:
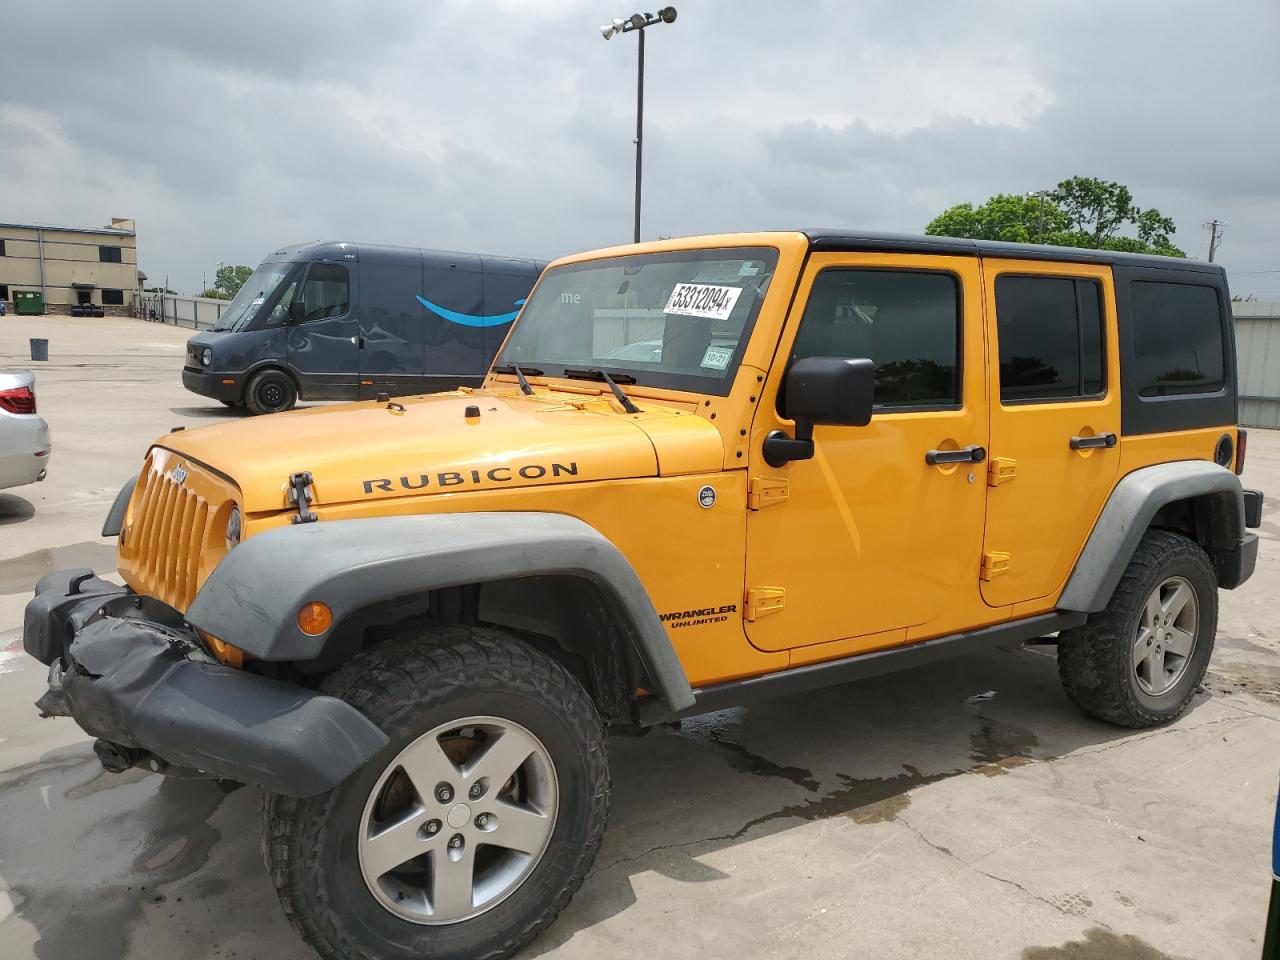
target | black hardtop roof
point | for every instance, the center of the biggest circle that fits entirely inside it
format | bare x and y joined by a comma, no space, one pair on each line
872,241
383,253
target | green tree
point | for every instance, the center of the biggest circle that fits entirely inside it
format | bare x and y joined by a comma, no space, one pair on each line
230,279
213,293
1081,212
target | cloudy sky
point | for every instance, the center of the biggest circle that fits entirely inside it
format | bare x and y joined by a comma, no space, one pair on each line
227,129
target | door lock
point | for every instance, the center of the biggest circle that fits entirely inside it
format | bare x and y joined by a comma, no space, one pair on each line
970,454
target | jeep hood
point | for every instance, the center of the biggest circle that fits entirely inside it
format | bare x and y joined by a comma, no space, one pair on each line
369,450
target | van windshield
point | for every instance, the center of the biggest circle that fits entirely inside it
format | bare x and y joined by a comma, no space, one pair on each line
257,290
677,320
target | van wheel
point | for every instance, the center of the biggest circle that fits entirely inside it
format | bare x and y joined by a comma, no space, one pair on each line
1139,661
469,832
271,391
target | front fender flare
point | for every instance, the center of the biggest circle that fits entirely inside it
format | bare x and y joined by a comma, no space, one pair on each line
252,598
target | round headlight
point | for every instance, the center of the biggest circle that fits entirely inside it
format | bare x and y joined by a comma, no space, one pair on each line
207,356
233,528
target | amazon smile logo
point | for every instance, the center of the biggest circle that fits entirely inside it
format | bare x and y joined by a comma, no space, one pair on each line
467,319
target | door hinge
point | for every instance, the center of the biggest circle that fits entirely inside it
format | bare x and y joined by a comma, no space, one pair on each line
766,491
1001,470
762,601
994,563
302,496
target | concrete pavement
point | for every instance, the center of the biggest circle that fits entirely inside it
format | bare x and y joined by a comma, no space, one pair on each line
961,811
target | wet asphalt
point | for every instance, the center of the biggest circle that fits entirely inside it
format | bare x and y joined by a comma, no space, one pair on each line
965,810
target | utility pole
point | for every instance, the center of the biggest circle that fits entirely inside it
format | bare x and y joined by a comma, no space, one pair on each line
1040,227
1215,231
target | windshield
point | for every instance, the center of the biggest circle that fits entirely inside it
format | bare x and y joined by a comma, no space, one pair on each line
260,287
678,320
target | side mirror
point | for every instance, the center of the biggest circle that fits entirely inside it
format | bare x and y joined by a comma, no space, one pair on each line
297,310
821,390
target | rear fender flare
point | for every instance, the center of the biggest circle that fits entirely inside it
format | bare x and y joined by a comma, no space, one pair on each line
1128,513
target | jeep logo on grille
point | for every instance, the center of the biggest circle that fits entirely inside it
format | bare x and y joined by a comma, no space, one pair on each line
179,475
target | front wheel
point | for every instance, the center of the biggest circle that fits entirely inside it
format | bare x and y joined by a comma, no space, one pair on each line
271,391
1138,662
470,831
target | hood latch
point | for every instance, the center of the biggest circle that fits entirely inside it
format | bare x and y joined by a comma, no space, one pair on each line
302,496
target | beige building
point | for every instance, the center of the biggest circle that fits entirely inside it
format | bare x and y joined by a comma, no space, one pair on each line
71,266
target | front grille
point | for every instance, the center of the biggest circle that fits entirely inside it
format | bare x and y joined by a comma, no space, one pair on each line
169,544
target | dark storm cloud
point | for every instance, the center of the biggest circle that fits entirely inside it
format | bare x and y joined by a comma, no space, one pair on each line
229,129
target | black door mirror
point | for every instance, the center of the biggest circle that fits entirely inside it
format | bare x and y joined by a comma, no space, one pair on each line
297,310
821,390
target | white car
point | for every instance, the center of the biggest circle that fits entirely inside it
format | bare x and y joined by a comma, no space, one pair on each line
24,436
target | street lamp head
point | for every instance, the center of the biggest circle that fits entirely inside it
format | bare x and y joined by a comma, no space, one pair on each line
608,30
638,21
667,14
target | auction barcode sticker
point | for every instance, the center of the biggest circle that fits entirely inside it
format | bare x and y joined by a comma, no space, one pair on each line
702,300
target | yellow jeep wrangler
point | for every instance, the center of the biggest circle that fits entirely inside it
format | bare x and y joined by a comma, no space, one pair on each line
700,472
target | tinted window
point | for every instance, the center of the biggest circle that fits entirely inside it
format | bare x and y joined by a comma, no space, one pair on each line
113,298
907,321
326,294
109,254
1050,338
1177,338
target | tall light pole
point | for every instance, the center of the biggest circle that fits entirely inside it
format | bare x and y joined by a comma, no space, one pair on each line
638,22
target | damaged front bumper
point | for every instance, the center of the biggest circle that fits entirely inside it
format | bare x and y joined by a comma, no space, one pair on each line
131,672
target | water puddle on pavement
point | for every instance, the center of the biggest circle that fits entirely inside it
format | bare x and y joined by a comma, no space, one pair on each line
1098,944
19,574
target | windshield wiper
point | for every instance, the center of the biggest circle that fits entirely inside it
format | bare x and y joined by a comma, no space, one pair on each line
583,374
515,368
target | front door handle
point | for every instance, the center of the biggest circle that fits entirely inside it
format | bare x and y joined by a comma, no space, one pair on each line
359,342
1089,443
971,454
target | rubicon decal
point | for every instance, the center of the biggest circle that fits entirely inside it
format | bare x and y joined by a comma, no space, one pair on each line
472,476
698,617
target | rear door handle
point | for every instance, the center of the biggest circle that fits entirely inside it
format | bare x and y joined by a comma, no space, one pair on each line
1089,443
971,454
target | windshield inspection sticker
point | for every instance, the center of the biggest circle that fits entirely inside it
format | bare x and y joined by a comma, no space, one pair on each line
702,300
717,358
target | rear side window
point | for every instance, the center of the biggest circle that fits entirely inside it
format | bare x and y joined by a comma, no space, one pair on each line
326,293
1177,339
907,321
1050,338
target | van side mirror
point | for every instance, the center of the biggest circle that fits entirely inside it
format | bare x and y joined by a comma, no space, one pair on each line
297,310
837,391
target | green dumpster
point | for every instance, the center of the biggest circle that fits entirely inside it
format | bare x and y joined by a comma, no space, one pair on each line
28,302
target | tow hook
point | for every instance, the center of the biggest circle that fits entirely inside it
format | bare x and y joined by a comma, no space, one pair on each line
302,496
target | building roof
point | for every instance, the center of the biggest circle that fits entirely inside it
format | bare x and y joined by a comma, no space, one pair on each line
871,242
51,227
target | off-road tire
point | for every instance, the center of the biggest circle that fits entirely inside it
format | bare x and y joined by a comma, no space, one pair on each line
271,391
1095,660
408,686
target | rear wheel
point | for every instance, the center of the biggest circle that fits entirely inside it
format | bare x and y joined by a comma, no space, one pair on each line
271,391
471,830
1139,661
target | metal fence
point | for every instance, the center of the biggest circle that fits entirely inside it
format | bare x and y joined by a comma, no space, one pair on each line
198,313
1258,361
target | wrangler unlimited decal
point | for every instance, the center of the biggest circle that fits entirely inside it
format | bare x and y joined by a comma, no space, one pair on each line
472,476
696,618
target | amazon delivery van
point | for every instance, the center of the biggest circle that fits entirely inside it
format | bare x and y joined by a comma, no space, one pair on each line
348,321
